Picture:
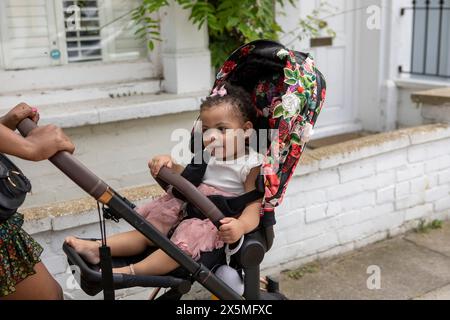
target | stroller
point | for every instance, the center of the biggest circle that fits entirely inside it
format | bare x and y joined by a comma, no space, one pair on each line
288,94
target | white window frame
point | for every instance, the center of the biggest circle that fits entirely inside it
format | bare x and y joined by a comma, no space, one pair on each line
60,30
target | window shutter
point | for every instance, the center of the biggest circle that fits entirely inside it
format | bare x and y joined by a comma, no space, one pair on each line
27,28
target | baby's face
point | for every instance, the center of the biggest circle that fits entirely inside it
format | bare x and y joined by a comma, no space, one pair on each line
223,131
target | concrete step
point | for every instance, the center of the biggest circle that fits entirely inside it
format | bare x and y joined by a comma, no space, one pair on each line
77,94
113,108
76,74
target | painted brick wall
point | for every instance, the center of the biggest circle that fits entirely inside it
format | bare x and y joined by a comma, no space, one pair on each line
349,199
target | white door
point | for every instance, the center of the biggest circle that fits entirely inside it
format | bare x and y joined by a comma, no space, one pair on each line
335,62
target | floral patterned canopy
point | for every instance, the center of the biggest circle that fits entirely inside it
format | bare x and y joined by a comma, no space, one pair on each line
288,93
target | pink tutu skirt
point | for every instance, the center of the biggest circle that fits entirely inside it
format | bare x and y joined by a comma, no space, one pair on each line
193,236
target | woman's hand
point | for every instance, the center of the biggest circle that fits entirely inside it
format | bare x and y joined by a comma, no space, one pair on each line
44,142
231,230
158,162
17,114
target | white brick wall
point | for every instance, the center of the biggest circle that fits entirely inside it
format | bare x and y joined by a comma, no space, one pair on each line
365,198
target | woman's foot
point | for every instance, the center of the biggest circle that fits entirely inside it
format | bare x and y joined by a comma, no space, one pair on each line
86,248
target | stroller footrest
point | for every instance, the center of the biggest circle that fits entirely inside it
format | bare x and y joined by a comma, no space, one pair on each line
126,281
90,277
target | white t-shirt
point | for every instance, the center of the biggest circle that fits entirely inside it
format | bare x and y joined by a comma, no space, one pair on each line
230,175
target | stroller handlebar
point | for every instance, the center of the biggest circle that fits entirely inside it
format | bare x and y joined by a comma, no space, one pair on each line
73,168
98,189
191,193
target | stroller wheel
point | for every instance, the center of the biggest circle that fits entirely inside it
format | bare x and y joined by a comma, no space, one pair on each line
270,289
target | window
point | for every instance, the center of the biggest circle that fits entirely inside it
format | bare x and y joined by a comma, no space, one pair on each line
82,28
430,49
42,33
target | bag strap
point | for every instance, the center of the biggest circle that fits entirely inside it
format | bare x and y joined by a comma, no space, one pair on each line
105,261
107,274
229,252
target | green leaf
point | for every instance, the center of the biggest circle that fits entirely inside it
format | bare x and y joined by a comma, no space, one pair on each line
288,73
232,22
290,81
295,139
279,111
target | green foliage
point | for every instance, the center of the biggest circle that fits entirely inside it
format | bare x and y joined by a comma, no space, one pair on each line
313,25
148,27
302,271
426,227
231,23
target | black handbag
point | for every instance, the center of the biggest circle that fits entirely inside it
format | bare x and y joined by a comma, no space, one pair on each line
14,187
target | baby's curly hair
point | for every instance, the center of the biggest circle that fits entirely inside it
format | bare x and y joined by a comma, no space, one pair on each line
236,97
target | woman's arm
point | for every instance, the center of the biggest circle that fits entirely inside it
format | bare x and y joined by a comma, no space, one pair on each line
10,142
233,229
40,144
13,144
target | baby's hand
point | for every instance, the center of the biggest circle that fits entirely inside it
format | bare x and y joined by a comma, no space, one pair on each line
231,230
159,161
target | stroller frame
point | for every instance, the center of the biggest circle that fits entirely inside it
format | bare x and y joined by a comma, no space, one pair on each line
251,252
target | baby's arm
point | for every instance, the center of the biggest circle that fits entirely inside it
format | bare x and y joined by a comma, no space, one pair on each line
233,229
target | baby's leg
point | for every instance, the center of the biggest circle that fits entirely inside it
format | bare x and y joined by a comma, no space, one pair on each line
122,245
128,243
156,264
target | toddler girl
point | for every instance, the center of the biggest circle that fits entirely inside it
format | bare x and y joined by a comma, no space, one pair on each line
227,118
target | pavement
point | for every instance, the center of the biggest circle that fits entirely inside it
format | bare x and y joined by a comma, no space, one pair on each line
412,266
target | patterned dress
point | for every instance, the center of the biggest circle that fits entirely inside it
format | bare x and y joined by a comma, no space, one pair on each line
19,253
